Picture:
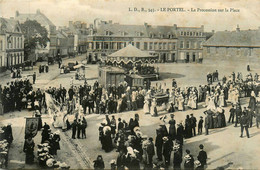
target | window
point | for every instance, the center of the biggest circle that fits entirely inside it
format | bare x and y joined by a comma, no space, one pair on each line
184,33
188,33
138,45
1,45
160,46
1,60
182,44
187,44
164,46
173,46
145,45
197,34
150,46
181,32
155,46
199,44
99,73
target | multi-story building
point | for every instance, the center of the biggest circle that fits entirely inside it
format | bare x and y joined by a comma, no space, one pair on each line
233,44
169,43
80,31
11,44
50,49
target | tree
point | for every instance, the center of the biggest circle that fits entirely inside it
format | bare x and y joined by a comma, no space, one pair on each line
34,35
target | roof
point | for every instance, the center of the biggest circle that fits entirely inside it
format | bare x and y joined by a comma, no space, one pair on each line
10,25
130,51
245,38
117,29
38,16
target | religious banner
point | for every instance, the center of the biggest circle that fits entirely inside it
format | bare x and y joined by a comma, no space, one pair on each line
31,126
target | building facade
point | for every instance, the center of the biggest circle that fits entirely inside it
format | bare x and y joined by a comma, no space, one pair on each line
233,44
51,48
11,44
169,43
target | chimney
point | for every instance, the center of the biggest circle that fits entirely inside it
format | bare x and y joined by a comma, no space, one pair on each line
238,29
17,13
175,26
202,27
91,26
11,17
145,24
213,31
110,21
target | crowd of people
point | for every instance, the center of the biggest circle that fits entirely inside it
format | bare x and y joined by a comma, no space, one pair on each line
136,149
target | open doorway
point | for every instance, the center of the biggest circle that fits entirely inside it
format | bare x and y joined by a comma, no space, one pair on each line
193,57
187,57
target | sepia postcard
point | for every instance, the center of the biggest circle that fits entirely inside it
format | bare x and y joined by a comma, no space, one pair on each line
129,84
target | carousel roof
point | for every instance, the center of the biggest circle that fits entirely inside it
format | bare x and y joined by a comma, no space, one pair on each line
130,51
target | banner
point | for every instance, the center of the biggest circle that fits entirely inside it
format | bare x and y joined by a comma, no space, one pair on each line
54,111
31,126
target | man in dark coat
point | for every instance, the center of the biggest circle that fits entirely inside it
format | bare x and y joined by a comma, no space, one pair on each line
238,113
189,161
202,157
200,125
193,121
34,77
177,158
244,124
180,133
159,144
232,114
74,129
167,149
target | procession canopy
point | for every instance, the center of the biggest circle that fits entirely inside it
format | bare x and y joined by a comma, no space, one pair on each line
130,53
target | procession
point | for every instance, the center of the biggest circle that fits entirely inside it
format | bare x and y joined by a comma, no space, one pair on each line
87,89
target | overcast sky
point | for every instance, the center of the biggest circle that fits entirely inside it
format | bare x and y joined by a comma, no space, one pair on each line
62,11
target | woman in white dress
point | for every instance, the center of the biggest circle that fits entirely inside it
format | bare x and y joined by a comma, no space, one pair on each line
154,108
189,102
194,104
221,100
180,103
207,99
212,105
146,107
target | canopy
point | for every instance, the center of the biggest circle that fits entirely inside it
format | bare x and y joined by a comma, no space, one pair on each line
131,51
78,66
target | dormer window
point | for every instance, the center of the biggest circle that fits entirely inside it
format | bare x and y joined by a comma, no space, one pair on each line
151,35
139,34
107,32
123,33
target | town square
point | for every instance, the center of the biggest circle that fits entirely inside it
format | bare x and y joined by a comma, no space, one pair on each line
98,94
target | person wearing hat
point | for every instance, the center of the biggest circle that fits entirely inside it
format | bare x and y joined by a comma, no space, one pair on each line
238,113
200,125
167,149
99,163
172,128
232,114
177,157
159,144
202,157
188,161
244,123
28,148
193,121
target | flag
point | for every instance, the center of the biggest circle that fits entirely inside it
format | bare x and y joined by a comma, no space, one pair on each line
31,126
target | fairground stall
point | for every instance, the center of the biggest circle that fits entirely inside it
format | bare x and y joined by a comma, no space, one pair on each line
136,67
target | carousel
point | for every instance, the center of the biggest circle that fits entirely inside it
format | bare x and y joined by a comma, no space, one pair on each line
137,66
